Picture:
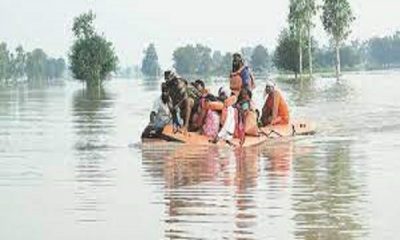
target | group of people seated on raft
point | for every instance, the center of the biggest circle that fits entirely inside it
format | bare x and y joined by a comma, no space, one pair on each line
227,115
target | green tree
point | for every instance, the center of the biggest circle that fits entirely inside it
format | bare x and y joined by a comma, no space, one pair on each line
11,69
4,61
226,65
260,59
193,60
36,65
384,52
204,60
286,53
51,68
247,52
379,50
337,18
185,59
217,59
351,55
92,57
150,65
60,67
323,57
19,62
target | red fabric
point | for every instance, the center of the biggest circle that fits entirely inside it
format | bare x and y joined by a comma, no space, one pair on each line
239,126
211,124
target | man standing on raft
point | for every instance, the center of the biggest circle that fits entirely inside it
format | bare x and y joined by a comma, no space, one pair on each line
241,76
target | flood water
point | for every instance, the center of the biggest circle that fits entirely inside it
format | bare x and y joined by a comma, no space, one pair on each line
72,167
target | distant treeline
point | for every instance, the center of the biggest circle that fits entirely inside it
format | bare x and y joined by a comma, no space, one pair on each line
32,66
376,53
384,52
203,61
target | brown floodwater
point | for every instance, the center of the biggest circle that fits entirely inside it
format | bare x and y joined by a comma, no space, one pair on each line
72,167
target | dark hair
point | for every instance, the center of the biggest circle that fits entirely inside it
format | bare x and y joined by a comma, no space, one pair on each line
167,74
237,55
164,87
200,82
237,60
246,91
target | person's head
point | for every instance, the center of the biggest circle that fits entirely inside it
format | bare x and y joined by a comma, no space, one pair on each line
164,92
245,94
169,75
269,87
237,62
199,84
222,94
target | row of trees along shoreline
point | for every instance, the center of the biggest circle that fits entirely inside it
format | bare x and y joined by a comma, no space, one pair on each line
23,66
92,58
373,54
336,19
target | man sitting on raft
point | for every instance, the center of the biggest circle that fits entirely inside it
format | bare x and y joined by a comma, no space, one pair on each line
275,110
184,97
161,114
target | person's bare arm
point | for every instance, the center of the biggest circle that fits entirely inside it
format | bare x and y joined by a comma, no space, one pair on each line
237,72
252,81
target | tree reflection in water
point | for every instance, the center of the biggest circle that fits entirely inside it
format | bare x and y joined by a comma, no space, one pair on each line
327,191
93,124
254,192
210,188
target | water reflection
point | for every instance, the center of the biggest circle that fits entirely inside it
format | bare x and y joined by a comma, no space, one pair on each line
280,157
150,84
301,91
25,113
327,193
208,188
246,176
93,126
63,153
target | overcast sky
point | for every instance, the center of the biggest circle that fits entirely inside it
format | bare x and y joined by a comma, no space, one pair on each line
132,24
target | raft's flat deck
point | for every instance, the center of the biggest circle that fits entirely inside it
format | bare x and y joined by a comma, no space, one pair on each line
301,127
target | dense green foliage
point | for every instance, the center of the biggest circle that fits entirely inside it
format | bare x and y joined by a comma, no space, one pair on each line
300,19
247,52
376,53
4,62
193,60
260,59
352,57
222,64
202,61
92,57
226,65
286,53
150,65
33,66
337,17
384,52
